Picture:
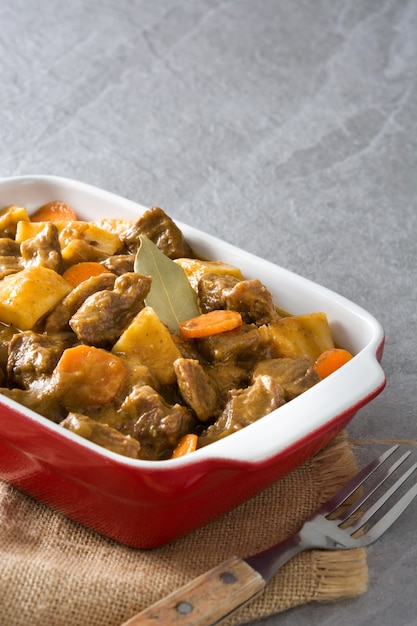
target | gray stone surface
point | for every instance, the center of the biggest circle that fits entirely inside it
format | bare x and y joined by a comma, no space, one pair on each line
286,127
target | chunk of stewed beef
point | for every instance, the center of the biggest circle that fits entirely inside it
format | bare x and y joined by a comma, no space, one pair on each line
10,265
244,407
103,316
43,249
213,290
58,319
253,301
120,263
9,247
41,398
157,425
6,334
102,434
196,388
250,297
157,226
33,356
226,377
243,346
294,375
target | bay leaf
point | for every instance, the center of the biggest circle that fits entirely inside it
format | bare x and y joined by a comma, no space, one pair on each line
171,295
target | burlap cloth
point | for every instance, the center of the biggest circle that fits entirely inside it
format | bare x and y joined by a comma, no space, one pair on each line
55,572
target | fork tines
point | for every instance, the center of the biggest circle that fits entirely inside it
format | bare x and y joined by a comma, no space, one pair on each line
359,481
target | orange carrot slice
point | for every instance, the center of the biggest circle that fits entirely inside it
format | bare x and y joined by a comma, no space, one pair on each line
186,444
212,323
88,376
55,211
78,273
330,360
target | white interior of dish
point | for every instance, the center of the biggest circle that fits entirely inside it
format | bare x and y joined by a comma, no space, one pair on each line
352,327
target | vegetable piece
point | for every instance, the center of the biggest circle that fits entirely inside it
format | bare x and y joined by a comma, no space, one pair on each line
88,376
186,445
55,211
87,243
78,273
196,268
10,217
212,323
80,251
108,242
28,295
71,231
171,295
150,340
28,230
294,336
330,361
113,225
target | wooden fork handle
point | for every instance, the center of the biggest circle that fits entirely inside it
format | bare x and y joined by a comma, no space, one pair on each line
205,600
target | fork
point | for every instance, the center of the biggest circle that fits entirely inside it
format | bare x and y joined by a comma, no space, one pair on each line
210,598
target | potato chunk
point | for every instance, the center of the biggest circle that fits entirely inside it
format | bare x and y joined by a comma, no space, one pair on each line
302,335
113,225
28,295
92,244
10,216
149,339
195,269
28,230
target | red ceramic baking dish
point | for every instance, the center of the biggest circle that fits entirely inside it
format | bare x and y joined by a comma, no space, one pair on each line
146,504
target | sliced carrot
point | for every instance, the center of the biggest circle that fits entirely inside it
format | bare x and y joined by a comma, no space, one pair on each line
78,273
186,444
55,211
87,375
330,360
212,323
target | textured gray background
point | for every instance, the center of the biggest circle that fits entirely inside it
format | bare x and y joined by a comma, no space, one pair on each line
286,127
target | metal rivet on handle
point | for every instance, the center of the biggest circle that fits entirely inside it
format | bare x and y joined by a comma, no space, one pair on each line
228,578
184,608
